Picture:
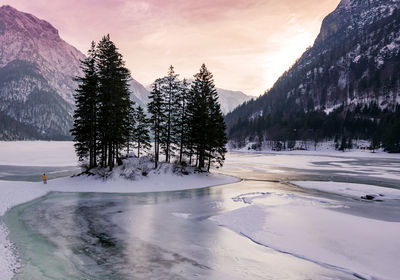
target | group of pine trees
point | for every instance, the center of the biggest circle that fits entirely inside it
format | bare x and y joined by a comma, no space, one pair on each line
186,120
365,122
103,111
183,121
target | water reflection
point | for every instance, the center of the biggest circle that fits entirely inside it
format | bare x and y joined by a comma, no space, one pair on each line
146,236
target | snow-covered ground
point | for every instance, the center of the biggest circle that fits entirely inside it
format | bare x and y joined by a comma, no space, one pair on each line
315,229
39,153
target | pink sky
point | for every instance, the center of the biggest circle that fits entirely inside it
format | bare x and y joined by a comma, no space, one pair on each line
247,44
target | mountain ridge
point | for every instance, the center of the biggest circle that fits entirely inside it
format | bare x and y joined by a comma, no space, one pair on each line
355,60
36,62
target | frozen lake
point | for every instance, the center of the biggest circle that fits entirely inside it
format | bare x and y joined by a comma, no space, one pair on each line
145,236
178,234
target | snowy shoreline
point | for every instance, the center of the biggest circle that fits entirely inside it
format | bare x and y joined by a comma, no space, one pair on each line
327,148
327,153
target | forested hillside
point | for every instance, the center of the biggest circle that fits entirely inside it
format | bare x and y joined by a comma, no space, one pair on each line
353,66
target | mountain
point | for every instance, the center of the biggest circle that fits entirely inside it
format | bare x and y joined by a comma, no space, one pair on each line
36,66
353,64
139,93
230,99
36,78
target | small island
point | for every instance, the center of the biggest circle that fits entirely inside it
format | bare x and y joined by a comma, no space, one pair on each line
183,121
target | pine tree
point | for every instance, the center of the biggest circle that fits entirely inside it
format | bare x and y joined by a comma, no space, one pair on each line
182,118
343,145
170,90
198,117
84,129
114,97
217,137
132,127
141,132
206,120
157,118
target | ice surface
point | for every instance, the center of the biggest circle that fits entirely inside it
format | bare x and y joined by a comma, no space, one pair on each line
312,229
337,162
38,153
352,190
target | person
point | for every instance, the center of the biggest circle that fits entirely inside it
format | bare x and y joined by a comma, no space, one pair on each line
44,178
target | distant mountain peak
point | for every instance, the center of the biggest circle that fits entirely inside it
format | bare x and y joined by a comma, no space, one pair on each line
25,21
25,37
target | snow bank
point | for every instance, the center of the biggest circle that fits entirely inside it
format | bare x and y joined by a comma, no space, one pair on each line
353,190
38,153
311,229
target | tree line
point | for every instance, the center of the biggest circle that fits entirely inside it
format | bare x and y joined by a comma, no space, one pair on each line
183,121
367,122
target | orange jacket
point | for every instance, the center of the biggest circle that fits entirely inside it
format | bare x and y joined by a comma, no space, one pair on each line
44,177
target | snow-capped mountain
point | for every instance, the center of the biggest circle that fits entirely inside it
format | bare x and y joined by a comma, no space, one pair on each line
26,38
36,78
354,60
139,93
230,99
36,70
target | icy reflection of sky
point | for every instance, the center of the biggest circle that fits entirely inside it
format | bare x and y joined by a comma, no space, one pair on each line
146,236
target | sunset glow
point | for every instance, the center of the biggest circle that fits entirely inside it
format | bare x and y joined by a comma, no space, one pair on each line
247,44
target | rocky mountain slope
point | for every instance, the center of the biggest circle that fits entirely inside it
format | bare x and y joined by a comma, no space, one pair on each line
36,66
230,99
355,60
36,78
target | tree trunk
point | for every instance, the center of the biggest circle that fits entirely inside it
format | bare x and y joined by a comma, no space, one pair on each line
201,159
156,152
110,156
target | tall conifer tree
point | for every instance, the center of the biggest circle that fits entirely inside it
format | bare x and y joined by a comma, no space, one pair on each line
157,118
206,120
85,128
114,101
170,90
182,128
